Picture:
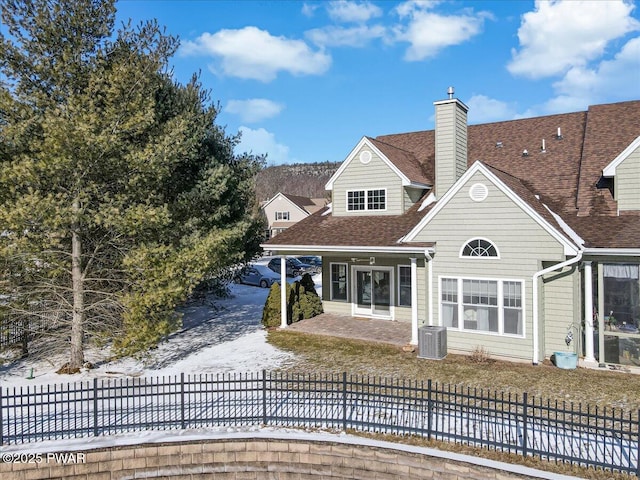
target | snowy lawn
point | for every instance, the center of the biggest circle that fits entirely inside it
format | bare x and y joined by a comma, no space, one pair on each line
218,336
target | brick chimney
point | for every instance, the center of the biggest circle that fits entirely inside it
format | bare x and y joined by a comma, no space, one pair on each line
451,142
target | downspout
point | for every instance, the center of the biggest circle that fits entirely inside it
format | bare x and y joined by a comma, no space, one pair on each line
414,300
430,287
536,276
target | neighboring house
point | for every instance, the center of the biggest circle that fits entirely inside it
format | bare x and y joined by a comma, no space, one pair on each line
514,235
284,210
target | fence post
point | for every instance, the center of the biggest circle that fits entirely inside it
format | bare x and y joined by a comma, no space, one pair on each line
429,409
344,401
637,446
1,419
524,424
182,423
264,397
95,407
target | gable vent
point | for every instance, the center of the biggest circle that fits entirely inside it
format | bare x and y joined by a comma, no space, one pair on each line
365,156
478,192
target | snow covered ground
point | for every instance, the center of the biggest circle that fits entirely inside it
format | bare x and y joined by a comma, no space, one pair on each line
226,337
219,336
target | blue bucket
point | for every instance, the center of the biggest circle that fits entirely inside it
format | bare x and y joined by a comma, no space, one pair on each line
566,360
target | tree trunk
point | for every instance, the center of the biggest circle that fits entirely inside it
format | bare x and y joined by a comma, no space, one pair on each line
76,354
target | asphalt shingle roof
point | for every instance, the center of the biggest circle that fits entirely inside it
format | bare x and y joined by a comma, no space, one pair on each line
563,177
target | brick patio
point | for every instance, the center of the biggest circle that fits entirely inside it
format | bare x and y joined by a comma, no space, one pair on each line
360,328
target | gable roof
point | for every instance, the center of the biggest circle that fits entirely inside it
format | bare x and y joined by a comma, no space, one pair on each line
310,205
610,170
610,129
306,204
406,162
517,192
322,231
558,185
403,163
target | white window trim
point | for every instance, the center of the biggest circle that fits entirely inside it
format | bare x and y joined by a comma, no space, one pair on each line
398,289
467,257
346,268
366,199
500,333
354,296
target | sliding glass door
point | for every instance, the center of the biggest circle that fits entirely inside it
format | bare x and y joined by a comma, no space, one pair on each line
373,292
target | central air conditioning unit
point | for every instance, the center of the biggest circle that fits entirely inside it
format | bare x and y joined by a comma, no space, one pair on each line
432,342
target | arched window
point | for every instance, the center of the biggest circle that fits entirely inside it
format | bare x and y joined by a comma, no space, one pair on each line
479,247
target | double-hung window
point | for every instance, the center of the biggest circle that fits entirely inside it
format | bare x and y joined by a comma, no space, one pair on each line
404,286
364,200
339,281
493,306
282,215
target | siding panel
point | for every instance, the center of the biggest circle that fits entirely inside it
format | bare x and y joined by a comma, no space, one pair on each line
628,182
374,175
522,245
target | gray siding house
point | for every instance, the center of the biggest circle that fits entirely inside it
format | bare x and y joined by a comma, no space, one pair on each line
513,235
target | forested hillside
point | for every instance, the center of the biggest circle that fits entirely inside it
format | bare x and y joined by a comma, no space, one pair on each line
303,179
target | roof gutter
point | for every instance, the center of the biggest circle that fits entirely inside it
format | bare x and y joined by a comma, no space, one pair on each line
347,249
613,252
536,276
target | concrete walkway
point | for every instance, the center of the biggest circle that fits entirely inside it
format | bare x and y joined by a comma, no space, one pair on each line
359,328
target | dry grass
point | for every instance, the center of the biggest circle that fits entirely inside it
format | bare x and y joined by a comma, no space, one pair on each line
531,462
596,388
608,389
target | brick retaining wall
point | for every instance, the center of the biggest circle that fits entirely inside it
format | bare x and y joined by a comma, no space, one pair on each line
265,458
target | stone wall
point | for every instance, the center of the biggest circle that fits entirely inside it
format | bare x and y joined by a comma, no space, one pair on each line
260,458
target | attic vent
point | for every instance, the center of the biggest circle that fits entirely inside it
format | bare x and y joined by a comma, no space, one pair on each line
478,192
365,156
499,145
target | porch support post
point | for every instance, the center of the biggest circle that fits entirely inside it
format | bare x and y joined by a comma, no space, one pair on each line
588,313
414,301
283,291
601,360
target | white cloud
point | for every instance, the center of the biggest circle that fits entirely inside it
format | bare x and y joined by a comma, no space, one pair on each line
261,141
349,11
406,8
429,32
334,36
308,10
483,109
613,80
254,109
256,54
559,35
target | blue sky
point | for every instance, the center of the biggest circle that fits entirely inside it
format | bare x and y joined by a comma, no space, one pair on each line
304,81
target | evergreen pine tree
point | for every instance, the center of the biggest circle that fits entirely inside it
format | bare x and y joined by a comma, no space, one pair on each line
118,193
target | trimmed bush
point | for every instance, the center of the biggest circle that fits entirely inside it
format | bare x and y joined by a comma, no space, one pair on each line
302,302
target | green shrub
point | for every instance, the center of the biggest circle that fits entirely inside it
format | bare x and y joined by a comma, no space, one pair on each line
302,302
271,311
307,283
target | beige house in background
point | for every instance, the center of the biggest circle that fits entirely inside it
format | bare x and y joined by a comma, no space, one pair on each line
515,236
284,210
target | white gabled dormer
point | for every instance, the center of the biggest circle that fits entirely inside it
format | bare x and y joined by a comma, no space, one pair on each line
367,183
450,142
625,172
